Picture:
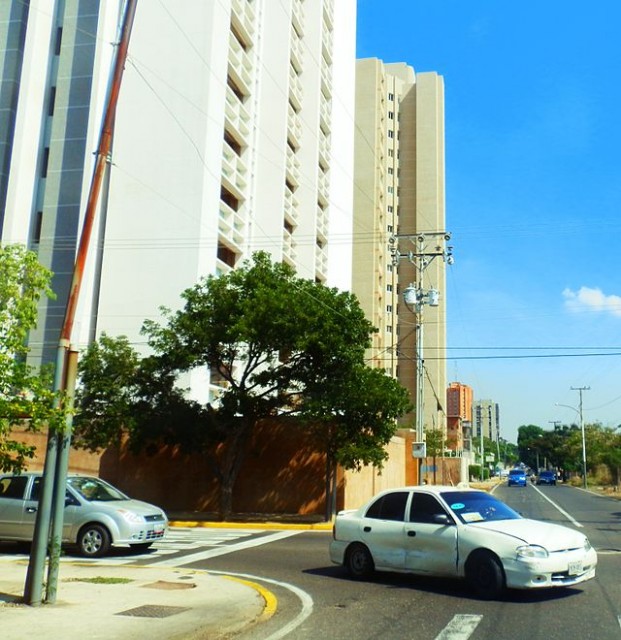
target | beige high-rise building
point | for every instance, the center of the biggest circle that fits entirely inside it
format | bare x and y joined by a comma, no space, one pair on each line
399,226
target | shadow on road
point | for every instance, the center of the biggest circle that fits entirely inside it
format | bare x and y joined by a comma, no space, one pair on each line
447,586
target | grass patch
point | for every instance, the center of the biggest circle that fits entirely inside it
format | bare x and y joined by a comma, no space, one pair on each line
100,580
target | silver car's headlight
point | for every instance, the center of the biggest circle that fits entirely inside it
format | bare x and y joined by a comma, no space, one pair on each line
531,551
587,545
132,517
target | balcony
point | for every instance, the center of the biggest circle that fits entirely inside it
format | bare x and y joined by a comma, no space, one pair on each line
294,127
288,248
295,89
323,187
234,169
293,167
328,14
237,115
297,51
243,19
321,262
297,17
241,68
325,109
322,224
291,207
327,45
232,226
326,79
324,151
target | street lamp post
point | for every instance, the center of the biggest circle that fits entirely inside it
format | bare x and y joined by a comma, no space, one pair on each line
580,414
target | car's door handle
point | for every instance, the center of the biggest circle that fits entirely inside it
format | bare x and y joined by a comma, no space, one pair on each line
412,534
367,529
31,509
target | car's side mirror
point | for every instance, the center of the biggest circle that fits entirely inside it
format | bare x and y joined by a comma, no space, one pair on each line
442,518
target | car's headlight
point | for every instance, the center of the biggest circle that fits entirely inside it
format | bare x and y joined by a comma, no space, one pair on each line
132,517
587,545
532,551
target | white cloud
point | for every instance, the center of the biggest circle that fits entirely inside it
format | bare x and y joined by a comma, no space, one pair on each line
586,299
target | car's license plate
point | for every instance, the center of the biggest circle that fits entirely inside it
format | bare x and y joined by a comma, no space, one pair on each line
574,568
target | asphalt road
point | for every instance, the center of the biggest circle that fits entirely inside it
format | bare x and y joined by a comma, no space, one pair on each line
318,601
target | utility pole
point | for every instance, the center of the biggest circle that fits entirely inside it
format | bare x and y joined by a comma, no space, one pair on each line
416,297
49,520
584,466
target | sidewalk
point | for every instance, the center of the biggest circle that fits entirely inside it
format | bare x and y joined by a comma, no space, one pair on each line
130,603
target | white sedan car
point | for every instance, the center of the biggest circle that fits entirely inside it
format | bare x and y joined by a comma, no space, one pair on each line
461,533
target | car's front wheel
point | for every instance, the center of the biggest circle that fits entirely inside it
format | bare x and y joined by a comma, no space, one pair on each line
93,541
485,574
359,562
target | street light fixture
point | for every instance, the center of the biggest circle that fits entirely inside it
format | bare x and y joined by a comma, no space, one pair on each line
579,412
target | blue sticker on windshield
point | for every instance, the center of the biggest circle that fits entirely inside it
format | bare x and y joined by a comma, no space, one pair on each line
457,505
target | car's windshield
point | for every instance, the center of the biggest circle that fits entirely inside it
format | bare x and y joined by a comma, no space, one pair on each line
478,506
95,489
516,472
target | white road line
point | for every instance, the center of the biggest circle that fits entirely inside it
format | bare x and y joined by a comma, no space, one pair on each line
223,550
460,627
569,517
307,601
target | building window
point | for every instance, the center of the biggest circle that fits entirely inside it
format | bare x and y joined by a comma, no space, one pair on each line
390,208
389,228
389,328
389,288
391,115
391,153
390,189
391,133
391,97
389,308
390,171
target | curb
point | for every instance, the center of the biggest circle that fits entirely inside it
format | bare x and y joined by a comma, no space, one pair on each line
196,524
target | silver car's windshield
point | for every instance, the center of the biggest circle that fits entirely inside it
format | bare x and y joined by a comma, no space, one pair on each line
478,506
95,489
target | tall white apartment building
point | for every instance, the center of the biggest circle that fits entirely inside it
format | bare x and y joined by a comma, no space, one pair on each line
399,194
234,133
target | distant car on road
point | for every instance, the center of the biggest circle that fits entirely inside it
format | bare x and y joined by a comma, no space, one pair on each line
97,515
516,478
459,533
546,477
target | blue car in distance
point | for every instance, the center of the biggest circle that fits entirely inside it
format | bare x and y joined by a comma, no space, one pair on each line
546,477
517,478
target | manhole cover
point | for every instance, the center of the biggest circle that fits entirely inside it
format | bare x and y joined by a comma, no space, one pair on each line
171,586
153,611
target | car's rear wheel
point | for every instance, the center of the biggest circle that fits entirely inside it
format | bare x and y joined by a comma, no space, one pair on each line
485,574
93,541
359,561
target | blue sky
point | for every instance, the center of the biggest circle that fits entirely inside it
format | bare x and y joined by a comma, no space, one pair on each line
533,168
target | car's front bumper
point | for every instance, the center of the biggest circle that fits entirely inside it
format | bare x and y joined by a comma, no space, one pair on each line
562,569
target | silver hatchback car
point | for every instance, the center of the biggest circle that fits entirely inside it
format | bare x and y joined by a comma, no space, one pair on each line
97,515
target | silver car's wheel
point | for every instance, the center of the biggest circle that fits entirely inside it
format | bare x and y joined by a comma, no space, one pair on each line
93,541
359,562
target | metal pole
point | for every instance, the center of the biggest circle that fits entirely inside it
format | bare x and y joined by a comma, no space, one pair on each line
420,380
584,465
47,502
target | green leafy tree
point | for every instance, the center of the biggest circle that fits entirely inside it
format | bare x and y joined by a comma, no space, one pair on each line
26,396
278,346
435,440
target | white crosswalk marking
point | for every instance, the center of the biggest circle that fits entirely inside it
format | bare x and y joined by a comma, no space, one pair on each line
460,627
